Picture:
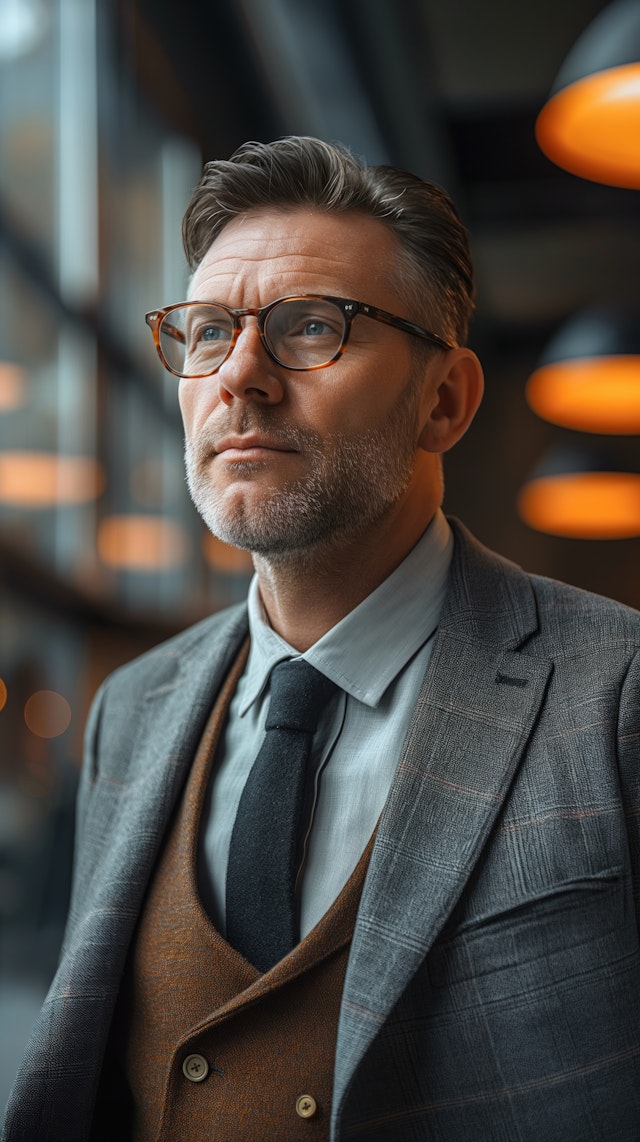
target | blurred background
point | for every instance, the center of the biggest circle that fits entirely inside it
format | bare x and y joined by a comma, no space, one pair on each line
108,109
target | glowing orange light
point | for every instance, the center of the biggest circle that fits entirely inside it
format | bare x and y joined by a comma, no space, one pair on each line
589,505
222,557
47,714
142,543
12,387
592,127
43,479
600,394
3,694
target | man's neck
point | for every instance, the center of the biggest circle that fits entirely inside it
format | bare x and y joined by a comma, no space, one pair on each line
305,595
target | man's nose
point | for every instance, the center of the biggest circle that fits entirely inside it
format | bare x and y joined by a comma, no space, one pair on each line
249,373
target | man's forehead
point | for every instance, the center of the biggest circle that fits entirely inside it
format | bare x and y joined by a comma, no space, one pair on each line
305,240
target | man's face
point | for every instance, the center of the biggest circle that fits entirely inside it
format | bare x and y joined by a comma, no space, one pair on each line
280,461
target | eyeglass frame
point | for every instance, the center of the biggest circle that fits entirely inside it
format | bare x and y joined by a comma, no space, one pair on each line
348,307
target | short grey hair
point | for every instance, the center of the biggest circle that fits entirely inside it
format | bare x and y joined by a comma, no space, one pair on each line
435,271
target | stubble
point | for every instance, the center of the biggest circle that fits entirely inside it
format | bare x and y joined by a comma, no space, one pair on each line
350,483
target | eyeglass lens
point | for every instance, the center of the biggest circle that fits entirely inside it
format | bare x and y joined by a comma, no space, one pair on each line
300,332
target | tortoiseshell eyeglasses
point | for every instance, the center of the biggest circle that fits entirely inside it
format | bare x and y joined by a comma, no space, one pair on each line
194,338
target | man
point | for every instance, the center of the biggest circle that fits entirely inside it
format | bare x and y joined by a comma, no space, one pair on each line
440,938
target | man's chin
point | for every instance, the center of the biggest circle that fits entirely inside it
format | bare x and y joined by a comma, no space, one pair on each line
243,528
273,530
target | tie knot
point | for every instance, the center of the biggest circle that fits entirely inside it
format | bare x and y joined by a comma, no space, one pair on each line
299,693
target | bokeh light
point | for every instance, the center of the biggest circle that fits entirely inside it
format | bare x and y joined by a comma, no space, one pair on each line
47,714
41,479
142,543
12,386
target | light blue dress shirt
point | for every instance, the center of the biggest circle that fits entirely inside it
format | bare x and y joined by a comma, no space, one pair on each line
377,655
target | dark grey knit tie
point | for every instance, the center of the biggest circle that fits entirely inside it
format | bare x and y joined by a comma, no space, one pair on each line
261,907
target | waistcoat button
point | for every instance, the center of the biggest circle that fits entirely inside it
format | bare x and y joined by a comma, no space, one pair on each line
306,1106
195,1068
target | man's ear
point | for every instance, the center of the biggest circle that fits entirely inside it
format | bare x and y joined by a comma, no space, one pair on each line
455,392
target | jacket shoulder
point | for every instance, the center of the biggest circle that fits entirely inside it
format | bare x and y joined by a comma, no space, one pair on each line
576,619
158,665
498,599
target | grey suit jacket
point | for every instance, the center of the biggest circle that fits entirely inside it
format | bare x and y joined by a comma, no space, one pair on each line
493,986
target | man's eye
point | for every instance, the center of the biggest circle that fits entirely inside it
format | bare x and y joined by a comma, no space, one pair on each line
315,328
213,333
312,327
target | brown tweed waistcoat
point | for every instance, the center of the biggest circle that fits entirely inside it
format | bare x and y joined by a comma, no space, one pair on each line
264,1040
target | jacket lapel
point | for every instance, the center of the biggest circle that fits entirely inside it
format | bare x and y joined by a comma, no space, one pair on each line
478,703
155,749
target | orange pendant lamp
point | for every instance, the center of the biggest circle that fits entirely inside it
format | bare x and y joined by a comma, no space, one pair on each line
588,377
590,125
578,496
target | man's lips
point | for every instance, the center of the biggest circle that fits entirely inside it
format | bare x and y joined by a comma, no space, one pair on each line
249,447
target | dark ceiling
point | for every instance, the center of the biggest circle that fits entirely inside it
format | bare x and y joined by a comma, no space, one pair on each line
447,88
450,89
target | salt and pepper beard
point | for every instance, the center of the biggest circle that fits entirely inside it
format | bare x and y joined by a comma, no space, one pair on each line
352,480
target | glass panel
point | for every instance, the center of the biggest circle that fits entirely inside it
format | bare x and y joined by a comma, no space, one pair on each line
28,120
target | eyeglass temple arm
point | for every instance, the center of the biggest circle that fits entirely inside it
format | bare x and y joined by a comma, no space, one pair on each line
154,320
174,332
402,323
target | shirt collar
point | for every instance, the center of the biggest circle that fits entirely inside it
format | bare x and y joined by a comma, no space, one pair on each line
368,648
